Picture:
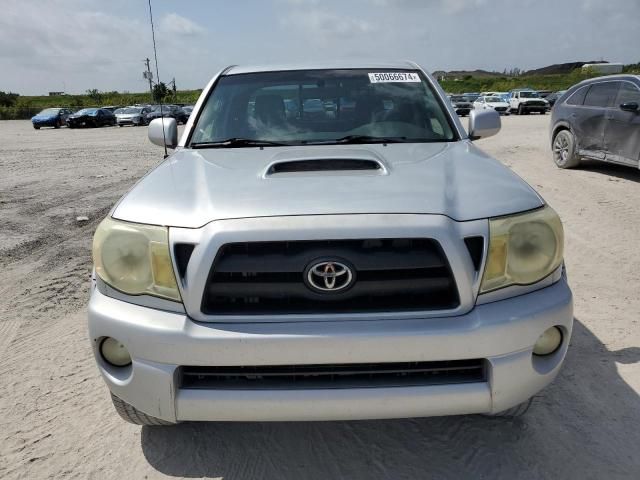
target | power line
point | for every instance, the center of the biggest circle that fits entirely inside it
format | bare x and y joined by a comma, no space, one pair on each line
155,56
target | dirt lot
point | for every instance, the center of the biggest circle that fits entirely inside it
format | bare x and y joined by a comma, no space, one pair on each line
56,419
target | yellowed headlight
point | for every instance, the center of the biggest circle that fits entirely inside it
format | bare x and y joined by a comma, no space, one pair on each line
523,249
135,259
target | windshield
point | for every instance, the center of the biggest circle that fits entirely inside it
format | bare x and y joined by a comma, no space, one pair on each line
459,98
359,104
129,110
529,95
86,111
493,99
49,111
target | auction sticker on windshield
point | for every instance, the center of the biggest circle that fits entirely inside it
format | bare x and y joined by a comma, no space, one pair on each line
386,77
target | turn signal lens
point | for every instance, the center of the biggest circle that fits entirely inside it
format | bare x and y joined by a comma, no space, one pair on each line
523,249
135,259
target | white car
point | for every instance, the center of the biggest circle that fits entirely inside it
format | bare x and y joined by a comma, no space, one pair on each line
131,116
526,101
491,102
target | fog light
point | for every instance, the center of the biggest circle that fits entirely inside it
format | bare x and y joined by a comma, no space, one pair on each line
115,352
548,342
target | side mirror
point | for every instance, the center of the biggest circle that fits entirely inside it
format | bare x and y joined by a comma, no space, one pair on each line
483,123
630,107
168,137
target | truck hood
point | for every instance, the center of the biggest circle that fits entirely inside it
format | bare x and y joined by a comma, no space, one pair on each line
194,187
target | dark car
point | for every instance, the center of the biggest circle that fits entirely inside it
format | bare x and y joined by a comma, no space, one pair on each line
598,119
187,109
91,117
112,108
50,117
553,97
169,111
461,104
471,96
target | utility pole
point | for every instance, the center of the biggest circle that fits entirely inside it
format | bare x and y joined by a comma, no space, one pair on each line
148,76
173,88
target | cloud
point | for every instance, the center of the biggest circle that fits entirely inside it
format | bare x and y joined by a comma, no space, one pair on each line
321,24
179,25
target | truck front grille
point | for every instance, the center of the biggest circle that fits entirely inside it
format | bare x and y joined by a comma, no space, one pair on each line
262,278
358,375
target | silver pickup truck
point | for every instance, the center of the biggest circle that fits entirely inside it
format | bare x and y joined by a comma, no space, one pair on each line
327,242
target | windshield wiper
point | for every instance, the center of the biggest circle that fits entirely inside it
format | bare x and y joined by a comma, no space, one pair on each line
361,139
237,142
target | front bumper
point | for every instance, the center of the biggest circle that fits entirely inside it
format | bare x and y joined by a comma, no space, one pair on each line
503,333
50,122
129,121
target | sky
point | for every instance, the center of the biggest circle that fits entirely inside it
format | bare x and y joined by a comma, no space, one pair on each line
76,45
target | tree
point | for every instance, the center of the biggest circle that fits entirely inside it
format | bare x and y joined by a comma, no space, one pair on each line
8,99
95,95
160,91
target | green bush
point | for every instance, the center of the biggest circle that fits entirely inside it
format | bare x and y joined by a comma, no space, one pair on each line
504,84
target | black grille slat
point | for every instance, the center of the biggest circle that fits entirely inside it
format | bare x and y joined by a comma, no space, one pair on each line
271,289
333,376
287,263
390,275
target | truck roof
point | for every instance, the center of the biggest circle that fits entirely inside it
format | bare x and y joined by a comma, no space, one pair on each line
328,65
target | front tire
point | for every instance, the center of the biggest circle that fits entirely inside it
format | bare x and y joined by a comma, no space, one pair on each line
58,124
37,127
520,110
564,150
132,415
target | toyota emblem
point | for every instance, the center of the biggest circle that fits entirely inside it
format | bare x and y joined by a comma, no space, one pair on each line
329,276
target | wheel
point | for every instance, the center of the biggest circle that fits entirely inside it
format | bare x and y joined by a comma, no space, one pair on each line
58,124
543,112
564,150
135,416
513,412
36,127
520,110
119,124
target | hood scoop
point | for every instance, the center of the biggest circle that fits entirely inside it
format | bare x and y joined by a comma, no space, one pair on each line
326,165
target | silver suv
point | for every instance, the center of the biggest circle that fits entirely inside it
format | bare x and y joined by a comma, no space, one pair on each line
362,260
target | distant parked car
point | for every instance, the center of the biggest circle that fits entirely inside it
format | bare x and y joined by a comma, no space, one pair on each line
525,101
168,111
187,109
112,108
544,93
91,117
131,116
491,102
50,117
598,119
461,104
552,98
471,96
503,95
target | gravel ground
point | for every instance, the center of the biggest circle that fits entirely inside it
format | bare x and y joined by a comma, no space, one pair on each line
56,420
